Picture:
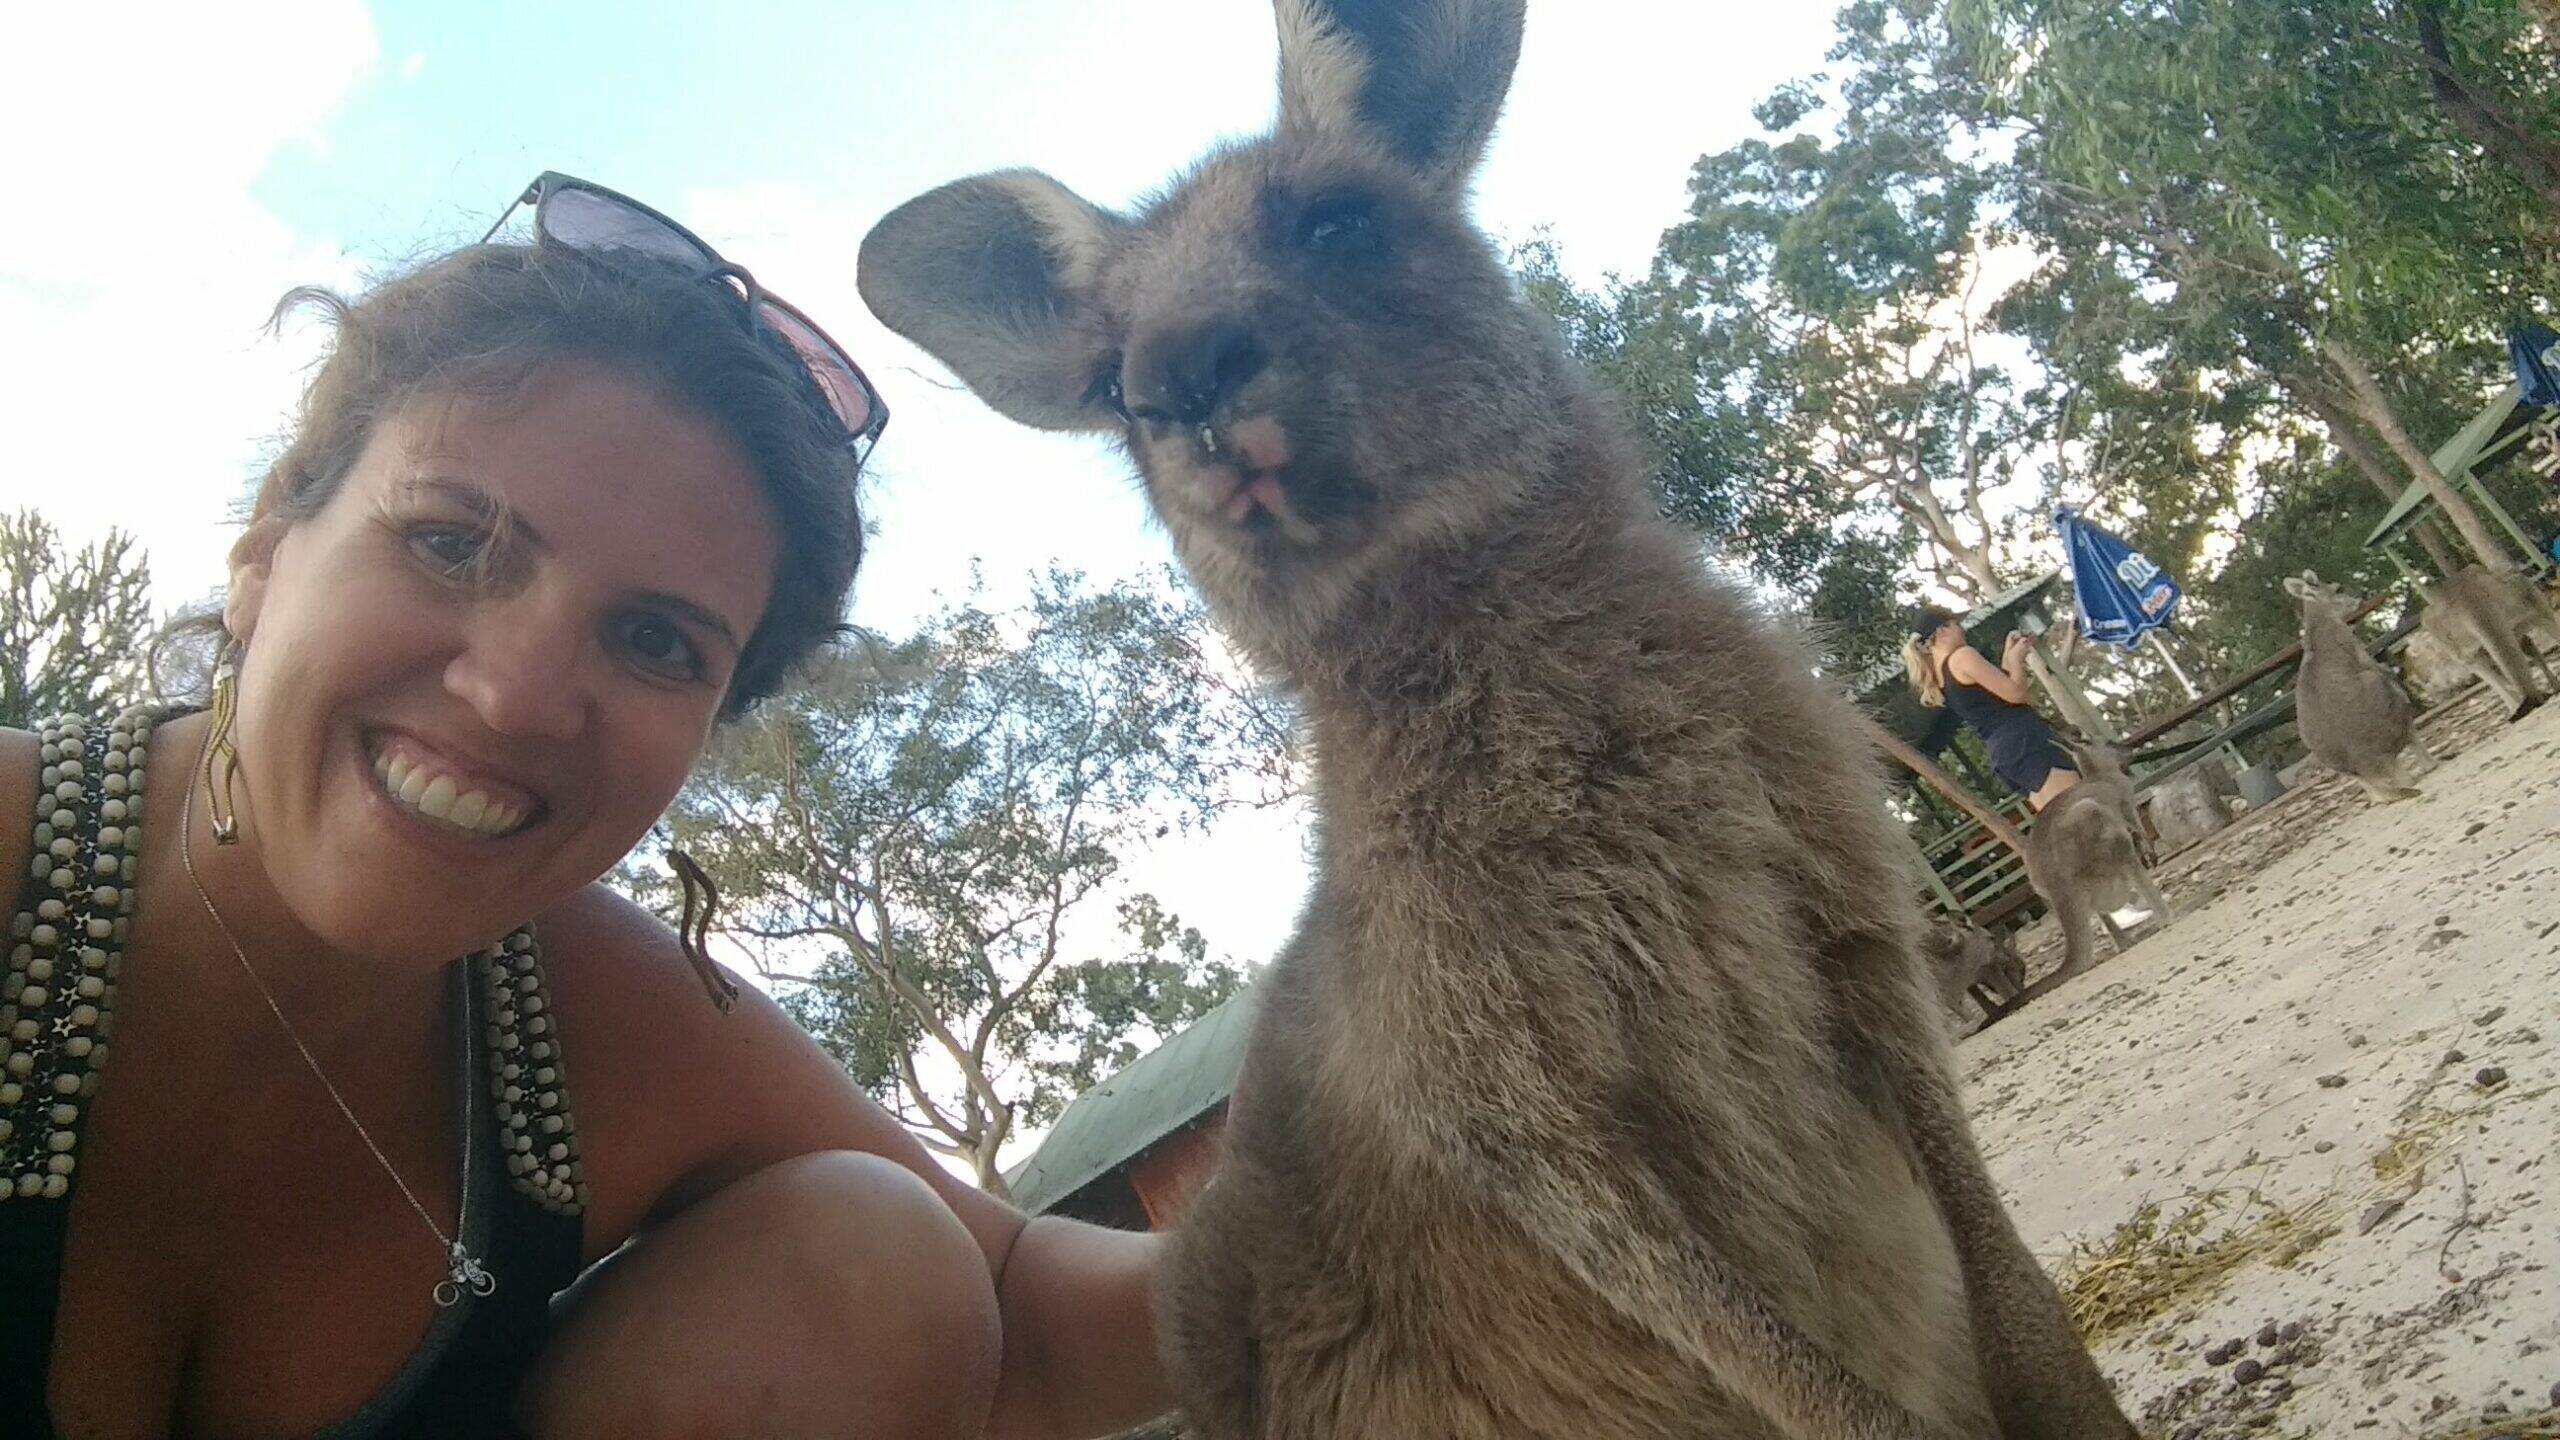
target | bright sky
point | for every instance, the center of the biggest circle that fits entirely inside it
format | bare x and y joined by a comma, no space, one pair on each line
178,166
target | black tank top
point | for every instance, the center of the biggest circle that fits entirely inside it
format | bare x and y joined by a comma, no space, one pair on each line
2006,730
463,1378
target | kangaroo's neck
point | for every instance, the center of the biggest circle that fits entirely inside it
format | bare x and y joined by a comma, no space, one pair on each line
1575,561
2325,631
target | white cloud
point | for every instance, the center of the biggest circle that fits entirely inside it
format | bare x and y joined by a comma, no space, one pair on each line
413,64
136,388
1615,100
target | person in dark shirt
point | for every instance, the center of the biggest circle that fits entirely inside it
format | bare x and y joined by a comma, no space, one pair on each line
1949,674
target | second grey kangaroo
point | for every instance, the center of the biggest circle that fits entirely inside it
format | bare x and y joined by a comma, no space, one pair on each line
1599,1092
2355,716
2084,856
2485,618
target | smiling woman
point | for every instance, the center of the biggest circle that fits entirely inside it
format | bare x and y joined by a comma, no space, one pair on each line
551,512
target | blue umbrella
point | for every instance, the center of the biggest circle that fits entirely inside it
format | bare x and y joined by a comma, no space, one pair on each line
2536,352
2123,596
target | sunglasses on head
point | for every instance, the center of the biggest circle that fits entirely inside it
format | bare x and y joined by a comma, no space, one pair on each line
587,217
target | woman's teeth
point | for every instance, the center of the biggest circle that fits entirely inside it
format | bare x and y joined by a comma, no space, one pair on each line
438,796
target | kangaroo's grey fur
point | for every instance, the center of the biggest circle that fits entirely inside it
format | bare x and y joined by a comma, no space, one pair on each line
2522,612
2355,717
2485,616
1971,963
1599,1093
2085,857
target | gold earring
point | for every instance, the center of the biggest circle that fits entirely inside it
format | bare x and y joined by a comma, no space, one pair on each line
221,757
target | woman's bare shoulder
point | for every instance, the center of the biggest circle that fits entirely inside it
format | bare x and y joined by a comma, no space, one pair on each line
18,766
1965,661
674,1097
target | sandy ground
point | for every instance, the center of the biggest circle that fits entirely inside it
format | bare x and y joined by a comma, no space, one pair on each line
2338,1061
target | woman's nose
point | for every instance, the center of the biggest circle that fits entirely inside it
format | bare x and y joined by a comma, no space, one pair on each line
523,672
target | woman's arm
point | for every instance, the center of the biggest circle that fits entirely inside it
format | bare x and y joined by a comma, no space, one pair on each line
676,1102
1080,1352
1970,666
2013,656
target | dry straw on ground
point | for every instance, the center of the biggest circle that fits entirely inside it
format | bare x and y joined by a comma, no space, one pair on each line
2172,1254
2165,1259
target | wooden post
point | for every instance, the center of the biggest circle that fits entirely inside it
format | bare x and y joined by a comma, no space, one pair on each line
2068,697
1938,780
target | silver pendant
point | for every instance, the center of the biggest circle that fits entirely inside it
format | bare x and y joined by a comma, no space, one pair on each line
466,1273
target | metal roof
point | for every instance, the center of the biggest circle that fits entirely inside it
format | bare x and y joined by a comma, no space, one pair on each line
2456,456
1154,1096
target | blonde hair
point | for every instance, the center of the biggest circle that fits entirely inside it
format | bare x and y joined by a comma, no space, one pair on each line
1928,678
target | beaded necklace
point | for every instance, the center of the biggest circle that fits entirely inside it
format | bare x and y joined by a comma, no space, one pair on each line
56,1007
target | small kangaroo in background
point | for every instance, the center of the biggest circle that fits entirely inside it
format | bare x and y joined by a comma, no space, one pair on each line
2487,618
1977,972
1600,1093
2355,716
2084,856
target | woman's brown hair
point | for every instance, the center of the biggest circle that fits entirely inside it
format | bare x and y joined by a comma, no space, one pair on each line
481,320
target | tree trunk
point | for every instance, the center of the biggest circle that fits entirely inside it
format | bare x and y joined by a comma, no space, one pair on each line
2534,158
2351,442
2075,707
2376,409
990,1175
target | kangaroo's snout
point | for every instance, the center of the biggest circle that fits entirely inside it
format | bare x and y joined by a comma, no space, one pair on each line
1182,374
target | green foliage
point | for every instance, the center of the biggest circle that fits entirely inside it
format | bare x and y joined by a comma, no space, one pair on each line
74,625
2344,201
1857,606
2198,245
2312,514
1708,449
922,841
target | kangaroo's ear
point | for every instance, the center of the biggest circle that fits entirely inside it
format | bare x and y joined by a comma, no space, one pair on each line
2294,587
994,276
1425,78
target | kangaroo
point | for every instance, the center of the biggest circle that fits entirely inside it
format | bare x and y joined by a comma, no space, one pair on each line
1977,972
2355,717
1599,1092
2520,608
2084,856
2478,614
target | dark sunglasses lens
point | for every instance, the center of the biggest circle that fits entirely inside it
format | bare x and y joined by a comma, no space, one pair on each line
836,377
585,220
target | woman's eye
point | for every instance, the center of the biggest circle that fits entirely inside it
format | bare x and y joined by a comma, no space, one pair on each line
450,550
659,646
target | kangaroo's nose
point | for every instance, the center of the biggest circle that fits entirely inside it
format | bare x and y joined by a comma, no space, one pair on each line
1182,377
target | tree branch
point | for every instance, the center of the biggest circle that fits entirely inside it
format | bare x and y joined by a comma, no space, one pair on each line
2534,159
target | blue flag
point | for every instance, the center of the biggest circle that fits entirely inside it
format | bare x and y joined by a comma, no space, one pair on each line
2123,596
2536,352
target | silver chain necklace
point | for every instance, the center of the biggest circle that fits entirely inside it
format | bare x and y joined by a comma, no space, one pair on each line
463,1270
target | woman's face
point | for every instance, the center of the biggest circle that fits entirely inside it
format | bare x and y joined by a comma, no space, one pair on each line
476,677
1949,636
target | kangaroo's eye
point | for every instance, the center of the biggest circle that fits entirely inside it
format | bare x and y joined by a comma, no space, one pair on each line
1105,389
1339,225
